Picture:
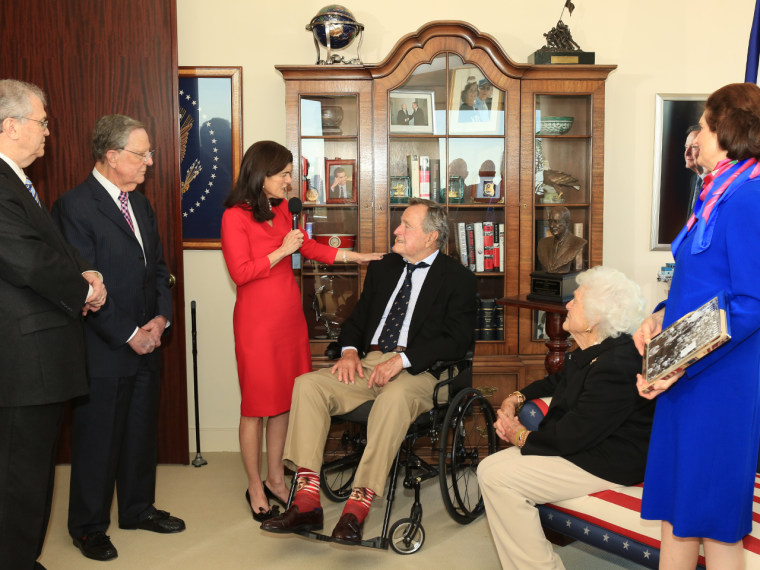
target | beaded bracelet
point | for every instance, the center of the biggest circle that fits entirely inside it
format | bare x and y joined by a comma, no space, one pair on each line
522,437
344,256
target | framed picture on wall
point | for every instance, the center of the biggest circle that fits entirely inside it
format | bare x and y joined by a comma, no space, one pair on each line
211,148
411,112
674,184
341,181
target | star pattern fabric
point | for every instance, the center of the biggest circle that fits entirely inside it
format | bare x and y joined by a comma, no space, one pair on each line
392,328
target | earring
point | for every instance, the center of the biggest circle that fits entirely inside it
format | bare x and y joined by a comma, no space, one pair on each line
588,330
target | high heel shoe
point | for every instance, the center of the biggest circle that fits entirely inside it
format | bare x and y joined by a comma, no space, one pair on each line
262,515
270,494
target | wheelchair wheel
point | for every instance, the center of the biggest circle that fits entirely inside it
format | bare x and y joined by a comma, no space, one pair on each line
467,436
341,460
406,537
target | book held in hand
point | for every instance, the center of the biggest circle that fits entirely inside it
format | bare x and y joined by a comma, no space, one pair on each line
690,338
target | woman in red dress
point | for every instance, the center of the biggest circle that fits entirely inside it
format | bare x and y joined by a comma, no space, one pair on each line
271,339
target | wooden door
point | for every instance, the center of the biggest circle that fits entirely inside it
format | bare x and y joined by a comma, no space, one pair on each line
97,57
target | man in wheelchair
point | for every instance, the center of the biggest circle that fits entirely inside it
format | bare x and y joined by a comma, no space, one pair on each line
418,306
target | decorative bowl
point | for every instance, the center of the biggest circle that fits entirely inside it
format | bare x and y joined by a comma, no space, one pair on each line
341,241
555,125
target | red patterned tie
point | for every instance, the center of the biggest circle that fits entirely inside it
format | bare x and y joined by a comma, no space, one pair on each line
123,198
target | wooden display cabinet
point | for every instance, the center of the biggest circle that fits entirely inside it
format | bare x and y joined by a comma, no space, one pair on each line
485,161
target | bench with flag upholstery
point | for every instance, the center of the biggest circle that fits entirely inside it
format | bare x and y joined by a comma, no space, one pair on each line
611,519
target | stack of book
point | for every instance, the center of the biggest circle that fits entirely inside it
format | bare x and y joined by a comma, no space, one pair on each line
424,176
480,246
490,323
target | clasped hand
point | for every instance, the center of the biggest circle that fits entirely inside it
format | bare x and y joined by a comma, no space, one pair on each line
349,365
507,425
148,337
98,297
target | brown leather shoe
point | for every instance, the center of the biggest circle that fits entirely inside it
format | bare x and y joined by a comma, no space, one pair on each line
292,520
348,530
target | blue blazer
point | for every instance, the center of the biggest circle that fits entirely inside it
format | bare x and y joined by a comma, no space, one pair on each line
137,282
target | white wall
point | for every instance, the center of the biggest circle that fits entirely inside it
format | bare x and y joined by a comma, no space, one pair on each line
659,47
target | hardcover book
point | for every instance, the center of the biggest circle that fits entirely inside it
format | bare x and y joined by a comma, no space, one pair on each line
690,338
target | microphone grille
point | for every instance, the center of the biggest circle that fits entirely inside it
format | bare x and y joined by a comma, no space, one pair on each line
295,205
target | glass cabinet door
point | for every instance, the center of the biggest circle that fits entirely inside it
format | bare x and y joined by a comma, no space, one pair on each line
329,188
446,143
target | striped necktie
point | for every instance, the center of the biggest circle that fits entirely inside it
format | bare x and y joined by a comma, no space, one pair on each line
388,339
33,192
123,198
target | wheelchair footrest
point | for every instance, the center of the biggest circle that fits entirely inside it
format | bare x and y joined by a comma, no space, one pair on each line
377,542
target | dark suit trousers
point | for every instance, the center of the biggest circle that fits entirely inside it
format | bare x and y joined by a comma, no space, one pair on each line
28,443
114,441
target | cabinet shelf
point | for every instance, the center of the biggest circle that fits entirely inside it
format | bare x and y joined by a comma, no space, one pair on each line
493,150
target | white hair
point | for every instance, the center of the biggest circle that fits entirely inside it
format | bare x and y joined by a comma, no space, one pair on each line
611,299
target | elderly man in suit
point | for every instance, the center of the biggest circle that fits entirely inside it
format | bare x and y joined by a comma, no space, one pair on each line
114,436
45,287
417,307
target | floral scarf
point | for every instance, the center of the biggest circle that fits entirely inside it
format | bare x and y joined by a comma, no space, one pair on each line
719,185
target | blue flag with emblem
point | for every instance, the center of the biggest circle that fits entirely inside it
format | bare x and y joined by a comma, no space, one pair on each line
205,154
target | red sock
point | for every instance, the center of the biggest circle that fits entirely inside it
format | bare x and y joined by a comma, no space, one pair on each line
358,503
307,490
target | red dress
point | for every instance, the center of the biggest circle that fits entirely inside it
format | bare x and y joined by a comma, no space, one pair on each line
271,339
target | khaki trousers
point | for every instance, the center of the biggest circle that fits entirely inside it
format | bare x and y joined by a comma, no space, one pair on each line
512,485
319,395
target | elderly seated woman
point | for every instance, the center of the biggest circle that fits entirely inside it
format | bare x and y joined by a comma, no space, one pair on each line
595,435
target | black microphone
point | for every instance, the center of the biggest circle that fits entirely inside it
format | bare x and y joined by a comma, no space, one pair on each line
294,207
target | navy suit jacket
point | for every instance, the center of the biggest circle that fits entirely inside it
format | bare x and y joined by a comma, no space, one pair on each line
137,283
42,293
443,322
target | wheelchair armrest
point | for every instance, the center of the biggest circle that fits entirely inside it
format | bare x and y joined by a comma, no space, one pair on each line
333,350
459,377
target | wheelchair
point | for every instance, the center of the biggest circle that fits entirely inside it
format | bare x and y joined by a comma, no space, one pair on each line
461,431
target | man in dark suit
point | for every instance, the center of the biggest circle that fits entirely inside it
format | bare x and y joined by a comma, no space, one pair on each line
114,436
418,116
45,287
417,307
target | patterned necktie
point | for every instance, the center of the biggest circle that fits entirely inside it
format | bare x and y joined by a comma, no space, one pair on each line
123,198
33,192
392,328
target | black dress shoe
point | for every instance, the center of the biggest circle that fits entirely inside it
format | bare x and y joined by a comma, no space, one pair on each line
96,545
157,521
262,515
270,494
348,530
292,520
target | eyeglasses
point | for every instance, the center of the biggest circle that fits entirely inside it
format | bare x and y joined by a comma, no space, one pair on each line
43,123
146,156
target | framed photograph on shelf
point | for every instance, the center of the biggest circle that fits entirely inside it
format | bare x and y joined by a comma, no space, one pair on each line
341,181
400,190
487,191
211,148
674,185
467,84
411,112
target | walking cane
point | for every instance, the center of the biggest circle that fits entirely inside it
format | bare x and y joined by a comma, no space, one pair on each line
198,461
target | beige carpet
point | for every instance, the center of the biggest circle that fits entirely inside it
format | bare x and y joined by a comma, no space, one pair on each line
221,533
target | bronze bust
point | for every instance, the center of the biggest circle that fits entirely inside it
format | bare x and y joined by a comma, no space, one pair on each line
557,252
